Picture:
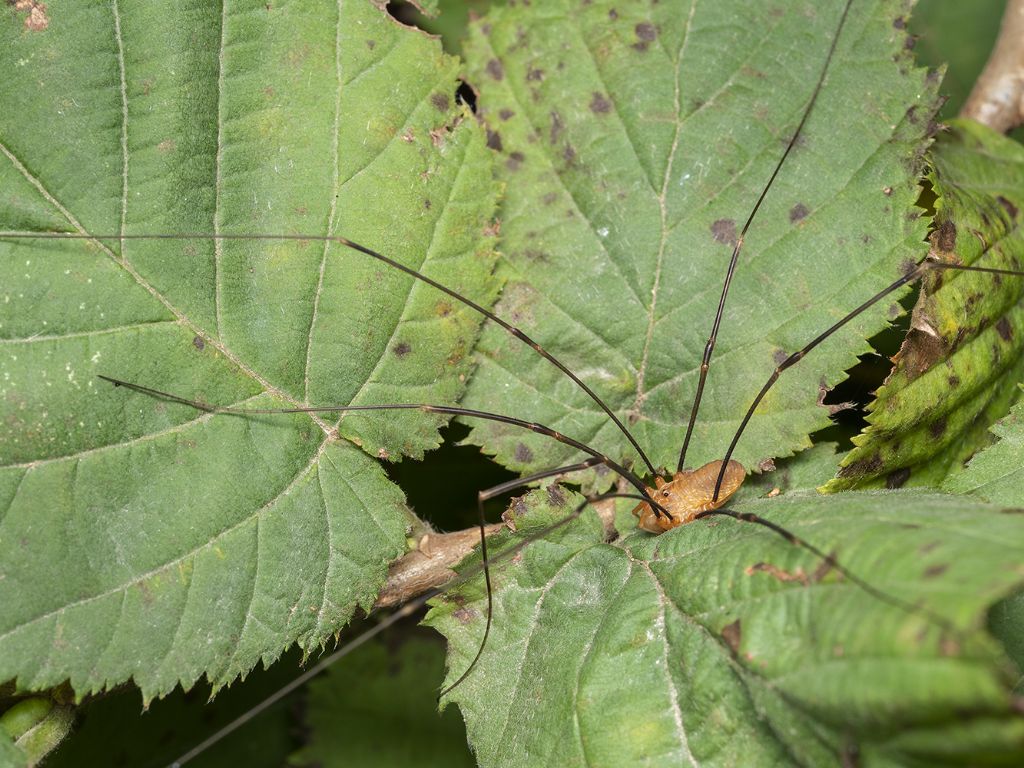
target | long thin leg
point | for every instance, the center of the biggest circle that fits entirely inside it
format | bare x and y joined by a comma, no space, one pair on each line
922,267
709,348
633,480
406,610
380,257
481,497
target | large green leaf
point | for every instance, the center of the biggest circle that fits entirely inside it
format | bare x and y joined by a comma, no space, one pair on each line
959,366
997,474
723,644
636,138
140,539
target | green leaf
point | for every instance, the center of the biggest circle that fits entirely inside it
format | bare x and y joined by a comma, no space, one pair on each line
997,473
356,711
143,540
958,368
632,135
720,643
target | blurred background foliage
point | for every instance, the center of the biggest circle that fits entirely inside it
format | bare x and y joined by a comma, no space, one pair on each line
377,689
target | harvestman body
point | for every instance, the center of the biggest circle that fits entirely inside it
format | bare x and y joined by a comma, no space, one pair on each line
686,496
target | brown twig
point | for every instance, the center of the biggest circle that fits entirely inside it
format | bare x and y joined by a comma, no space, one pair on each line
429,565
997,99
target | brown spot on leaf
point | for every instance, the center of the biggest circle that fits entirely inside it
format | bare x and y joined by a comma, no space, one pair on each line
401,349
797,213
599,105
733,635
494,140
1005,329
779,573
933,571
523,454
495,70
869,466
465,615
1010,207
514,161
613,14
724,231
899,23
555,495
556,127
898,478
506,114
646,32
440,101
443,309
937,428
198,343
534,74
945,236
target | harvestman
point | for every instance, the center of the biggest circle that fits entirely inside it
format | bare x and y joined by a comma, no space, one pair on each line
686,496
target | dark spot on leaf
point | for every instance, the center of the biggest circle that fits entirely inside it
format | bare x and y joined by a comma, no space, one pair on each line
1005,329
899,23
937,428
613,14
514,161
932,571
465,615
427,204
1010,207
569,154
779,356
534,75
898,478
495,70
733,635
555,495
401,349
198,343
443,308
798,212
945,236
494,140
523,454
641,47
556,127
779,573
910,42
599,105
724,231
537,256
865,238
646,32
371,44
912,114
869,466
954,381
440,101
506,114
